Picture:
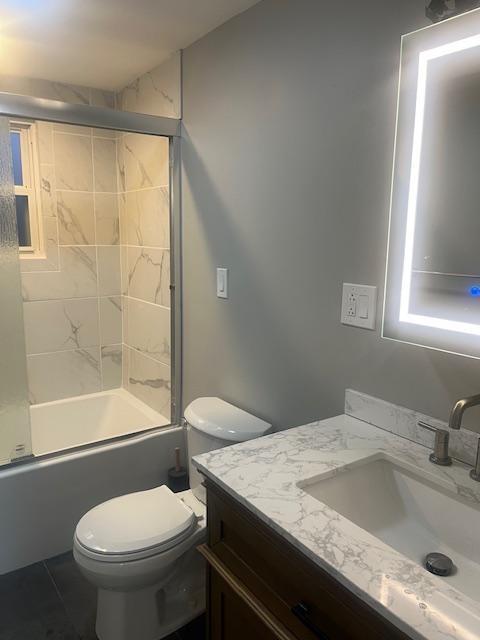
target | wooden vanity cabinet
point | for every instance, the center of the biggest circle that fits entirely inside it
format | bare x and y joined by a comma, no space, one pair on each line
260,586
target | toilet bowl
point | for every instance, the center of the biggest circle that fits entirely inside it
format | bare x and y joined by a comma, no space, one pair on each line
149,576
139,549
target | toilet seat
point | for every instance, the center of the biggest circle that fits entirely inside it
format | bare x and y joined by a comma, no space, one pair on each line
135,526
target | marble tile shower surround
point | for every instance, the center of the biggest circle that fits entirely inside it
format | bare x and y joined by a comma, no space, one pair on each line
266,476
157,93
97,304
404,422
97,307
143,177
72,296
64,92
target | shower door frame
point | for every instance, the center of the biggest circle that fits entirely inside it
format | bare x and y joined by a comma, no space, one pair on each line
20,106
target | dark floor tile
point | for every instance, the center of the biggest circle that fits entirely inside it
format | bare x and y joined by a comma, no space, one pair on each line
194,630
79,597
30,608
53,601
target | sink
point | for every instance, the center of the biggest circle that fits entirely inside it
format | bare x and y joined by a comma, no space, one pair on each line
408,509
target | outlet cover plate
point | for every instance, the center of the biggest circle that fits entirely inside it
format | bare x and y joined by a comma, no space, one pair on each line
359,305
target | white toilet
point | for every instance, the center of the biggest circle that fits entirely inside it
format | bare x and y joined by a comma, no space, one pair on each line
140,549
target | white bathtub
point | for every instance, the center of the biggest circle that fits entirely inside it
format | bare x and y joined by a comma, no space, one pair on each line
73,422
41,501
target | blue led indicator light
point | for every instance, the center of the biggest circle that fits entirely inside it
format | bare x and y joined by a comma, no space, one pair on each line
475,291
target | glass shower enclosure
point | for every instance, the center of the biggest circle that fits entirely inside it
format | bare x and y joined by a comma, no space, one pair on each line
89,275
15,436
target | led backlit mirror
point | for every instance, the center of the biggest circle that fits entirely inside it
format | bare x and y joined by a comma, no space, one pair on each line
432,295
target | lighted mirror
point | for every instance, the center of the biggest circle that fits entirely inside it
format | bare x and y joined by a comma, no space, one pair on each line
432,295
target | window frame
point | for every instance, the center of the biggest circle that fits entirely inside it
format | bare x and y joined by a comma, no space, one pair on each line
31,184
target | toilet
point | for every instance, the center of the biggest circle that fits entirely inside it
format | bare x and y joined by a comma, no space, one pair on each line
139,549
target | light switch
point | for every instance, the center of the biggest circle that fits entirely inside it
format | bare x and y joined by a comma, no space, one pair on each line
359,305
222,283
363,307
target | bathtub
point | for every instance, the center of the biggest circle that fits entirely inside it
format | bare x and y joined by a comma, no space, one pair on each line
42,500
82,420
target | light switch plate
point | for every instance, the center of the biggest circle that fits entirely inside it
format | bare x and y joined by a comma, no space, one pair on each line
359,305
222,283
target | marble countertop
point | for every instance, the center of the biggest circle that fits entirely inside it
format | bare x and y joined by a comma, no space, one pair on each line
264,475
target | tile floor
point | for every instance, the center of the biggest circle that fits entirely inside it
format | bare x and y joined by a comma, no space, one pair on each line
51,600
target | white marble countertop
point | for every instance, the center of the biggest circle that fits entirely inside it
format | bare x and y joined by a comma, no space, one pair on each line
264,475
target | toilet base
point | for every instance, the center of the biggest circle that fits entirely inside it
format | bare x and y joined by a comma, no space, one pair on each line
153,612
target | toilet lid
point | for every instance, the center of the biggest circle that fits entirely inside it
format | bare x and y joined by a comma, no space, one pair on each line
135,522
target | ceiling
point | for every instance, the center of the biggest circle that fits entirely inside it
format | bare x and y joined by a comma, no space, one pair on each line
102,43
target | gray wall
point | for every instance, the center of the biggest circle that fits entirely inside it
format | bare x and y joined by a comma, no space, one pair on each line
289,115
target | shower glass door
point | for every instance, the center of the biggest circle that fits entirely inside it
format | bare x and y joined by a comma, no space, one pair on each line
15,436
88,279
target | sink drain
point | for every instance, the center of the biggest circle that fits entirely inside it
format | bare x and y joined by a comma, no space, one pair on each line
439,564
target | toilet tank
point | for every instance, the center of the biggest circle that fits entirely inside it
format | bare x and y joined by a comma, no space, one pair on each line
213,424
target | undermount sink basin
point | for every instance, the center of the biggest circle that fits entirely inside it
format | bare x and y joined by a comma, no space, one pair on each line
409,511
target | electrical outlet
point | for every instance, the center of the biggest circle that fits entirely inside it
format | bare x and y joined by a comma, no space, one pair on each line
351,309
359,305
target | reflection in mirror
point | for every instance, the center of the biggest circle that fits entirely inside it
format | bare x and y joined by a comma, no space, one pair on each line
432,293
446,261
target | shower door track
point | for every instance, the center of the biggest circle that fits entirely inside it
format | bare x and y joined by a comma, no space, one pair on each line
20,106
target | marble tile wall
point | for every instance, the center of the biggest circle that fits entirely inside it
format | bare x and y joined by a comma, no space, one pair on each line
73,94
72,296
143,170
157,93
97,306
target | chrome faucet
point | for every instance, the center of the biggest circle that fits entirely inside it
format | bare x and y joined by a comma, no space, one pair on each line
455,422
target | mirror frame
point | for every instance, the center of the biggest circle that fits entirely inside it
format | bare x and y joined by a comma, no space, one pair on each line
417,49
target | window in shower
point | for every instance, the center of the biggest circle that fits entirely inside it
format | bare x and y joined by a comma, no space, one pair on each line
25,175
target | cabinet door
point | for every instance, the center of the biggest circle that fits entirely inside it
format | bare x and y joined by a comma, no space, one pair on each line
302,597
230,617
234,612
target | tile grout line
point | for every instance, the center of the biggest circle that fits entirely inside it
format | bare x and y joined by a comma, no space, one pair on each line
143,353
121,207
112,193
100,360
54,195
73,350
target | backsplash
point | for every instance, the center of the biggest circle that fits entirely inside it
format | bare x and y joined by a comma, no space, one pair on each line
404,422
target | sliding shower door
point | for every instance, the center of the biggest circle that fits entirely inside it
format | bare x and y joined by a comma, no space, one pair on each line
15,438
89,276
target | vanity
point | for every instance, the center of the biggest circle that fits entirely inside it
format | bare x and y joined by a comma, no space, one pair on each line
260,586
321,531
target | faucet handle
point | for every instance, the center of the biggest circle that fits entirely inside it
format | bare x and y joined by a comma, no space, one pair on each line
440,450
427,426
